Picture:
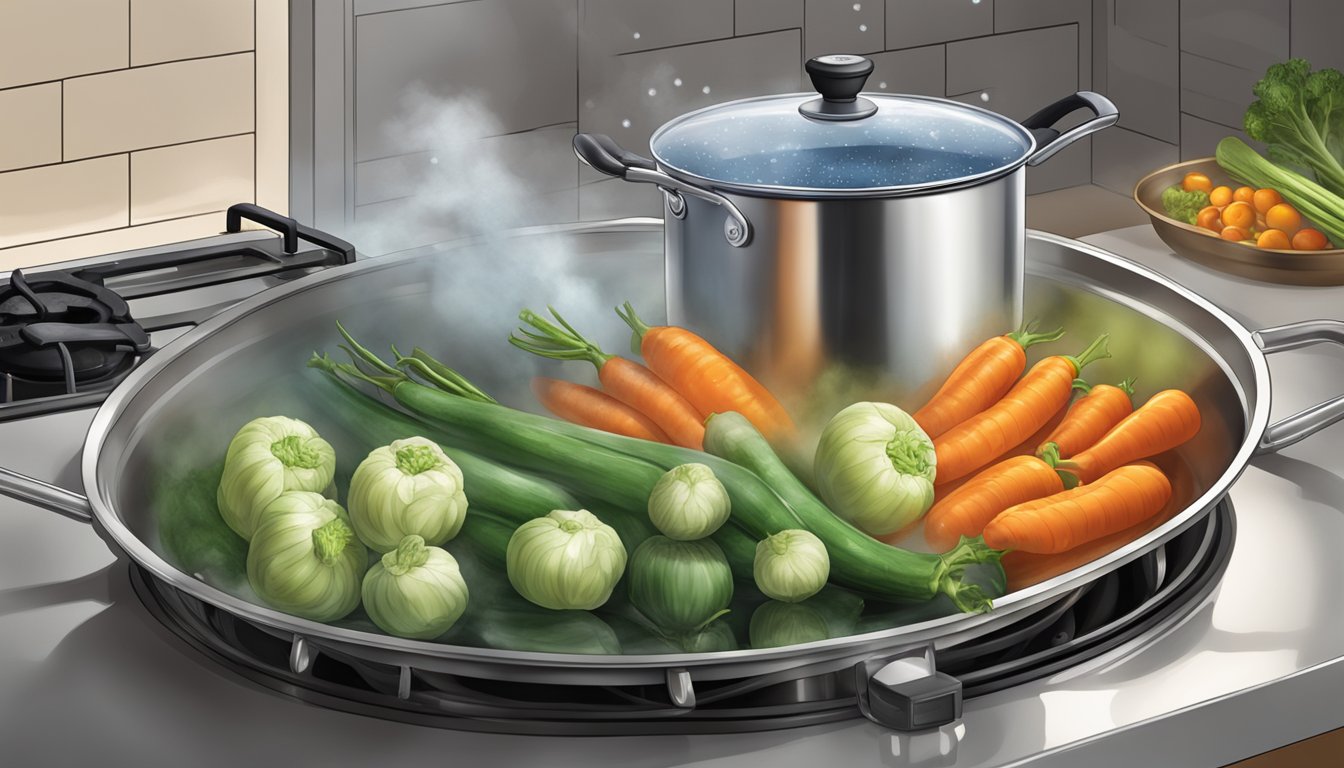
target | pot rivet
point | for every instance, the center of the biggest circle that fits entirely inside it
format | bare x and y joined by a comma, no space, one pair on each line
735,232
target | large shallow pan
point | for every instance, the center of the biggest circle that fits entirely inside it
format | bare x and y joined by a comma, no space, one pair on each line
184,403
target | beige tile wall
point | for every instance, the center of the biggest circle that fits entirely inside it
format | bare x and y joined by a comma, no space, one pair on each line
128,123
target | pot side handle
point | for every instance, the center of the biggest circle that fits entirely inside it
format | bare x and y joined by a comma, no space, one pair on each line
1050,140
1305,423
45,495
603,154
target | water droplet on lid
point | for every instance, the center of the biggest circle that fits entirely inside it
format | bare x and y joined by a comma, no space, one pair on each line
433,161
705,89
625,123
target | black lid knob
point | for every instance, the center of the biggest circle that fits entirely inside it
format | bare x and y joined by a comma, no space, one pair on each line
838,78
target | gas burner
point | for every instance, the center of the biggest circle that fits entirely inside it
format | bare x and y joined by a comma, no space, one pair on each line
60,334
67,339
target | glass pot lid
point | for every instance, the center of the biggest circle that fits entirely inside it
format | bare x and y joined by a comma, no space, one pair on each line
841,144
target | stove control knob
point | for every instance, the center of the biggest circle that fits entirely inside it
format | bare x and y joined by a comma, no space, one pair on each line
913,705
904,692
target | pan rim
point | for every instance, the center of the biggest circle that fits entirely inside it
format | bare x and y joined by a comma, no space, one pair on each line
596,669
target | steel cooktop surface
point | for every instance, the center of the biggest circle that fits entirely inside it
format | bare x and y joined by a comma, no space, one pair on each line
87,674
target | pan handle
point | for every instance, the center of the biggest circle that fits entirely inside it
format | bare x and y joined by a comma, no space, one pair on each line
45,495
1050,140
1287,431
602,153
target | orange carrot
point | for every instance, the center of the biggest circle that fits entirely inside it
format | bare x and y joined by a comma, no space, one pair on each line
625,380
1027,568
1006,484
589,407
1091,417
1121,499
706,377
980,380
1168,419
1025,409
1028,447
1025,448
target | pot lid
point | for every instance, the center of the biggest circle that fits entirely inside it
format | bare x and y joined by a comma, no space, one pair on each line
841,144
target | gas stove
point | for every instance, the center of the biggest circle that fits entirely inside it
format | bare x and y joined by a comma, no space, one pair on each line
1255,642
68,337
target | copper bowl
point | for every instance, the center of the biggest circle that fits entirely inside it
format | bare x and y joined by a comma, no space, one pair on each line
1199,245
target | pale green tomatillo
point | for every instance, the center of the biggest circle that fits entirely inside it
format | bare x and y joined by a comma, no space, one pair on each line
407,487
267,457
875,467
415,591
304,559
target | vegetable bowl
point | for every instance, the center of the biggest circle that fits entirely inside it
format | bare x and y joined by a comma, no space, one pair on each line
1322,267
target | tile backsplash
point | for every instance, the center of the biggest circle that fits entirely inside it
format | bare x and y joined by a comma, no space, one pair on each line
1182,72
640,63
129,122
125,123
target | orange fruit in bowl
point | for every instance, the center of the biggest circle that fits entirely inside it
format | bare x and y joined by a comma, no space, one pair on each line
1264,199
1239,214
1210,218
1220,196
1283,216
1243,195
1235,234
1308,239
1196,181
1273,239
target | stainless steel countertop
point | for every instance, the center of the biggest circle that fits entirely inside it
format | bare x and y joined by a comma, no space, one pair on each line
87,675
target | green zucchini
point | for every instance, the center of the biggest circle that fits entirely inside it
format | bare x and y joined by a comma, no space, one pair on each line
488,534
739,548
857,560
371,424
633,527
988,576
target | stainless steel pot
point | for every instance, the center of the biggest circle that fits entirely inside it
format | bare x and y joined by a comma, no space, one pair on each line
879,230
182,405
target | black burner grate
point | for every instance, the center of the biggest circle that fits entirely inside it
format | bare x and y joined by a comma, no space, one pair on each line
1135,601
67,339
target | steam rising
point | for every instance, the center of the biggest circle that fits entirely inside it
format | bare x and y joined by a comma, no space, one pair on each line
460,182
468,188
